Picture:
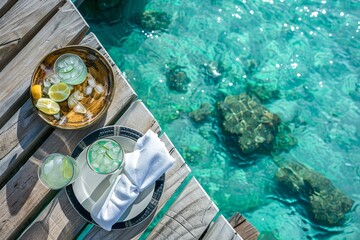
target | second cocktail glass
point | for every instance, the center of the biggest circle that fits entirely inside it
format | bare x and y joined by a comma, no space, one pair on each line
105,156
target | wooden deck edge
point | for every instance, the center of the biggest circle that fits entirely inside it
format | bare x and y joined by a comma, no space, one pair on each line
188,217
221,229
244,228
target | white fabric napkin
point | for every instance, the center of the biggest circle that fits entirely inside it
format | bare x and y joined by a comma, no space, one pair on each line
149,160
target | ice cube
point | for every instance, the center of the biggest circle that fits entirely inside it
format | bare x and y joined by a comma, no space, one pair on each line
99,88
78,95
108,145
47,83
57,116
96,147
62,121
89,114
88,90
95,165
94,155
72,101
107,160
91,81
58,161
79,108
46,90
53,79
101,150
102,168
49,166
115,165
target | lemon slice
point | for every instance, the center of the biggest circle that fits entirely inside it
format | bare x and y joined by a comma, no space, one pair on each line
36,92
67,169
48,106
59,92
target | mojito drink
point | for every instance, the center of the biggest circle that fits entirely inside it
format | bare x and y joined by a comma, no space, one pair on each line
105,156
58,171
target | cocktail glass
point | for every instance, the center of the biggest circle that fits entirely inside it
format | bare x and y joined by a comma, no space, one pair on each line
58,171
105,156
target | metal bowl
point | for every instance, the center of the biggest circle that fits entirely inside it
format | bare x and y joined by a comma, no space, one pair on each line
96,104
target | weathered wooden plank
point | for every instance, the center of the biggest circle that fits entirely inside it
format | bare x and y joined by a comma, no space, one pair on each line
5,5
142,114
188,217
66,27
59,220
21,22
245,229
18,139
23,196
173,178
221,229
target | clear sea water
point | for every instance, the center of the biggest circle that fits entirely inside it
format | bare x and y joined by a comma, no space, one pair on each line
308,50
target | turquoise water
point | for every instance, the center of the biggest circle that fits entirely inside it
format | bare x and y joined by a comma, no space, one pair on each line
308,51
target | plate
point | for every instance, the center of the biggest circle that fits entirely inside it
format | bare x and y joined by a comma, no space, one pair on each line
89,186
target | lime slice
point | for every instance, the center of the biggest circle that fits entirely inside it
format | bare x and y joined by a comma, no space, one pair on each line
67,169
59,92
48,106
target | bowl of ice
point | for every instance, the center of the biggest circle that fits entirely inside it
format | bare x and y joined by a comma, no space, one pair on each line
72,87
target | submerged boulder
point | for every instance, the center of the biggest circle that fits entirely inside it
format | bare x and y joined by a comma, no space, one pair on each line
327,205
254,124
153,20
263,91
201,113
177,79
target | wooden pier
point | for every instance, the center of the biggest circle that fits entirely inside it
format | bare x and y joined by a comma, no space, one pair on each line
28,210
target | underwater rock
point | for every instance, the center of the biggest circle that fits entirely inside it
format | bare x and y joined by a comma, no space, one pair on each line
284,140
250,67
201,113
327,204
153,20
263,92
177,79
213,72
254,124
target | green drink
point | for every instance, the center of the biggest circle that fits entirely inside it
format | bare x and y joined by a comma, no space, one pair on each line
70,69
105,156
58,171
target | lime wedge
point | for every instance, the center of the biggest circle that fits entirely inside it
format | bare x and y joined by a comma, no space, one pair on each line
48,106
67,169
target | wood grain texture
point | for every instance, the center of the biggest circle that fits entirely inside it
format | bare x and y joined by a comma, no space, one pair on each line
23,196
243,227
188,217
221,229
66,27
59,220
21,22
18,139
5,5
136,113
173,178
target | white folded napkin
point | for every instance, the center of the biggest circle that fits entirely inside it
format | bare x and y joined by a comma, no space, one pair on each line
149,160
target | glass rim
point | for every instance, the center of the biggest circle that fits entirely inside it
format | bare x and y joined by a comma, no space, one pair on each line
41,169
122,156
